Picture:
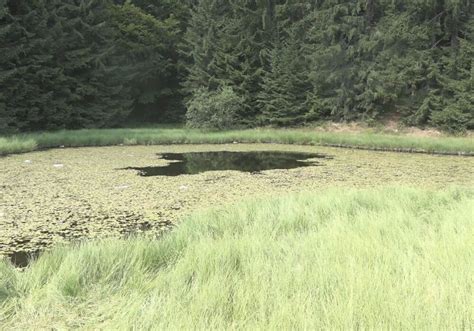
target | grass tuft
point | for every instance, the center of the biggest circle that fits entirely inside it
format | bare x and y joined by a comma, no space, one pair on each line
388,258
17,145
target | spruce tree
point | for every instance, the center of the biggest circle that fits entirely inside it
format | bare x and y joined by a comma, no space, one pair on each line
226,43
149,47
60,69
286,85
153,34
89,63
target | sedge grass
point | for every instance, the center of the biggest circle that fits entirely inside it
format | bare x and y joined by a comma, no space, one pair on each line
394,258
167,135
14,145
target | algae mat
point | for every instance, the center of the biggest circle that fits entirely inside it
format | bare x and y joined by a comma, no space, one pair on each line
63,195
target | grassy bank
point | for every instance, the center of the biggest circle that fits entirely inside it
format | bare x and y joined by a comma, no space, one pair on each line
392,258
153,136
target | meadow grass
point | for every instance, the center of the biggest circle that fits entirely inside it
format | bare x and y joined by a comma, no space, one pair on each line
13,145
166,135
393,258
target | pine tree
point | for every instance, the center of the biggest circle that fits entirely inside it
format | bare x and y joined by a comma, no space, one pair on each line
89,63
202,41
423,64
8,49
60,68
149,46
26,73
337,59
98,95
226,44
286,84
157,89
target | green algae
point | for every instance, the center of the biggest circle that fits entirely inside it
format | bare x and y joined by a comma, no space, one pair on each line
63,195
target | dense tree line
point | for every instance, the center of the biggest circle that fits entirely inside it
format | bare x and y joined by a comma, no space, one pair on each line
87,63
229,63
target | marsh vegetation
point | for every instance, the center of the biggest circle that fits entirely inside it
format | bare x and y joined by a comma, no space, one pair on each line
368,139
64,195
378,258
157,252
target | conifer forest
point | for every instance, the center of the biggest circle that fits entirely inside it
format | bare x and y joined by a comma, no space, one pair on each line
235,63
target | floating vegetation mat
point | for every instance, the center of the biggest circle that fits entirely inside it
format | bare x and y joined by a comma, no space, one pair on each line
65,195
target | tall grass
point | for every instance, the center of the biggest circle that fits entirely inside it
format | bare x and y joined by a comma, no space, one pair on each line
13,145
167,135
384,259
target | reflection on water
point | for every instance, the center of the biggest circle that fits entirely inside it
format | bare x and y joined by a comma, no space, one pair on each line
255,161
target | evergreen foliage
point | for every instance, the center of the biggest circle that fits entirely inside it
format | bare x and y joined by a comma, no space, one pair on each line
150,45
58,68
225,43
87,63
284,94
343,60
95,63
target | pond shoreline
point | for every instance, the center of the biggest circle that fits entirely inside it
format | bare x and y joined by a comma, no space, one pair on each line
355,147
17,144
363,148
61,195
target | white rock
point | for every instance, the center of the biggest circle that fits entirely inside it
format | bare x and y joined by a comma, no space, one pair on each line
28,161
121,187
183,187
58,165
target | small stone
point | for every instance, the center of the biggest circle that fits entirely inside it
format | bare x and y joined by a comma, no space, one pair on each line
121,187
183,187
58,165
28,161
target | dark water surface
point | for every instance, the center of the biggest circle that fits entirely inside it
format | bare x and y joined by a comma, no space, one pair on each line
21,259
197,162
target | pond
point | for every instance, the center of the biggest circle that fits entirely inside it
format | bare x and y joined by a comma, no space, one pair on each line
52,197
193,163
